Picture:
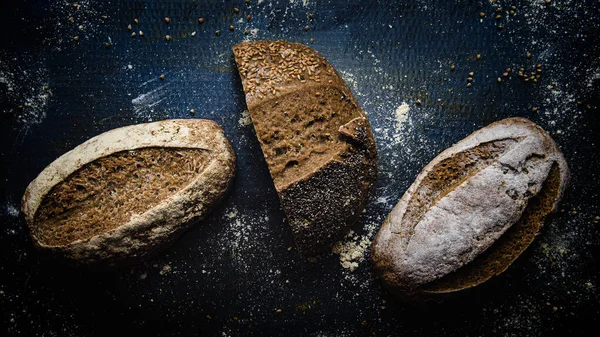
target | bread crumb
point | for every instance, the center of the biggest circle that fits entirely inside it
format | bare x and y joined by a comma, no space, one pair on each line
245,119
352,250
143,276
165,269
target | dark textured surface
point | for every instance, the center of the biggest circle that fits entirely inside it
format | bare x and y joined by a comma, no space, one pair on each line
230,274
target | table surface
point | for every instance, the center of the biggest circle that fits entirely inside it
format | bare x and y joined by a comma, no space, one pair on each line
232,274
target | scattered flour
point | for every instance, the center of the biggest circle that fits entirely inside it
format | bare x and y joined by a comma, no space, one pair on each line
12,210
402,113
144,102
25,86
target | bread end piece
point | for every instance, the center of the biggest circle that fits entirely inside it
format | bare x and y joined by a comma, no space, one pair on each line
315,138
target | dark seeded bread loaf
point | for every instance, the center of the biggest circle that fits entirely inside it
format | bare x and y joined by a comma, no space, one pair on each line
128,192
471,211
315,138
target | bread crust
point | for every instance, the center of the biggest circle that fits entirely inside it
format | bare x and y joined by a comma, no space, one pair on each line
410,253
157,227
323,203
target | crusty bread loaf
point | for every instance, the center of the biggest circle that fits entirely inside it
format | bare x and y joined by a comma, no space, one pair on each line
128,192
315,138
471,211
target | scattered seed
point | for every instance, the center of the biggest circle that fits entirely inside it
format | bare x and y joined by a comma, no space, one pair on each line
312,40
597,218
192,111
129,27
247,1
104,17
418,102
573,212
246,32
499,80
505,74
107,45
528,55
481,14
452,67
307,28
133,34
248,17
508,70
534,109
548,2
500,27
167,20
236,10
514,8
469,85
218,32
539,71
310,16
555,309
136,21
75,38
200,20
498,17
553,84
471,74
75,5
231,28
71,20
162,77
278,310
141,33
498,9
512,12
469,79
478,57
193,34
168,37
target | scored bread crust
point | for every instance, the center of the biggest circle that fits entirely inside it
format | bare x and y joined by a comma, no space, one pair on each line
322,202
471,219
155,228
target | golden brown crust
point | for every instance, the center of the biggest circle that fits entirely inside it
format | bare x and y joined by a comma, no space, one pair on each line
156,227
315,138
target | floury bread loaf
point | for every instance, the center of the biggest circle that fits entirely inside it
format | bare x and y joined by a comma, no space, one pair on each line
314,136
128,192
471,211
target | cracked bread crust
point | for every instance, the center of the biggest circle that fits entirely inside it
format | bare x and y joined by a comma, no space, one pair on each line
471,211
152,225
316,139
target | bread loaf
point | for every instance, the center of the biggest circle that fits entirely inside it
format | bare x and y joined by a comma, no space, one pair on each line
471,211
315,138
128,192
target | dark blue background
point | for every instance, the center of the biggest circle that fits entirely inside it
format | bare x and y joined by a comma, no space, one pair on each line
389,52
